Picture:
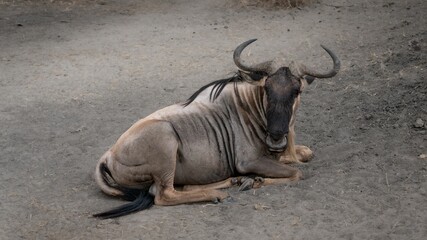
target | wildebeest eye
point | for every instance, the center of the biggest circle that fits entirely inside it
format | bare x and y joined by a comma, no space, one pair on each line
256,76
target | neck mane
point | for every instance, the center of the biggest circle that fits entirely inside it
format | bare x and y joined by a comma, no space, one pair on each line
217,88
250,99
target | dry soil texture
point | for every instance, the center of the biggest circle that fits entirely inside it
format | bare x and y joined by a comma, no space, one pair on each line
75,75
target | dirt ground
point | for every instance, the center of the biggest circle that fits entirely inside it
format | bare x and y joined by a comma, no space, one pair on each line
75,75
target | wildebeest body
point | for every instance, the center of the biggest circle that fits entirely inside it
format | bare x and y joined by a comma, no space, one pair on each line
208,136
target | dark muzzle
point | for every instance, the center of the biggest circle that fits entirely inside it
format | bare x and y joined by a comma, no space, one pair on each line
276,143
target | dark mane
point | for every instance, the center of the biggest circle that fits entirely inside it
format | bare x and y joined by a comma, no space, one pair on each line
218,86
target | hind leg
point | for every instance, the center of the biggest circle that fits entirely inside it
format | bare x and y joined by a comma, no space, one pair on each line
166,195
244,182
229,182
164,167
169,196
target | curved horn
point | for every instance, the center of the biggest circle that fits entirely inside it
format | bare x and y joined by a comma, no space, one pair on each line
310,72
237,61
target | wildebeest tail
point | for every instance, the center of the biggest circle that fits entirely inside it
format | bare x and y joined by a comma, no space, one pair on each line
104,179
142,201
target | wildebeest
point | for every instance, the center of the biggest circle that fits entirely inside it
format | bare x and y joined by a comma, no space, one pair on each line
227,129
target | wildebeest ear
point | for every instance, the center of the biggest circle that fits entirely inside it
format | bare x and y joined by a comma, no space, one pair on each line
255,78
309,79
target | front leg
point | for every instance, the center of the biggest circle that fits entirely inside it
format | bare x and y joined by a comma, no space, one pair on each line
295,153
298,154
267,167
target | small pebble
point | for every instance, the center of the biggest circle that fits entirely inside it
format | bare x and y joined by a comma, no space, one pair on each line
419,123
261,207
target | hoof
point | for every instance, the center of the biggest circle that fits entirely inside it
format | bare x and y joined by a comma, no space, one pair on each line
247,183
258,182
297,176
235,181
304,153
259,179
216,201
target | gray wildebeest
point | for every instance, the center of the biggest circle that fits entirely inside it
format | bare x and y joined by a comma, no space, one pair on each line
227,129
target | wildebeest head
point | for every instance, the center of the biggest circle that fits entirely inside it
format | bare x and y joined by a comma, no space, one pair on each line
282,90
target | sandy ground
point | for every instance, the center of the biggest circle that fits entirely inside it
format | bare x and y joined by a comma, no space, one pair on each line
75,75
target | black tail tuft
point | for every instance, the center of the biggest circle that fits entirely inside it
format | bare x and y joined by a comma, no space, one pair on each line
129,194
143,201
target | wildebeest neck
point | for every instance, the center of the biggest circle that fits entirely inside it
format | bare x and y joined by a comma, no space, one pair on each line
252,102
